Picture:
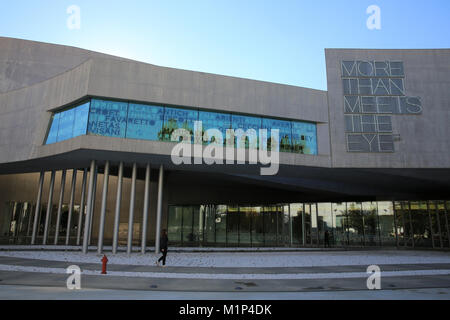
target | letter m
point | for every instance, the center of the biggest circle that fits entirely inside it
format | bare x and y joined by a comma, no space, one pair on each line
352,104
348,68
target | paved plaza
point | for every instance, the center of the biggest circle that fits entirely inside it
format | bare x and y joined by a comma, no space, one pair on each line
206,275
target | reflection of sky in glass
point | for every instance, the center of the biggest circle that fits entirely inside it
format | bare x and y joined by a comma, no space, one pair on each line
304,138
215,120
81,120
144,122
284,128
53,132
108,118
68,124
175,118
148,122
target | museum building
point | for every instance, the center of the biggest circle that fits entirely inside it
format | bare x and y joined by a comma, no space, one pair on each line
87,146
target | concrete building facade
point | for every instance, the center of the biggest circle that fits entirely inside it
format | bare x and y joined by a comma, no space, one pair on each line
85,152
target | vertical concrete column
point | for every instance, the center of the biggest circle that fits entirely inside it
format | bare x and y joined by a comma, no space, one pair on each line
71,201
159,208
82,205
89,207
60,204
145,212
117,212
438,218
410,224
303,226
38,208
131,212
103,209
94,195
49,207
431,224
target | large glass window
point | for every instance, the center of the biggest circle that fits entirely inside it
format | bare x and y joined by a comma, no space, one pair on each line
420,224
387,224
148,122
246,123
214,120
66,121
297,223
325,223
257,227
304,138
145,122
221,225
81,119
175,118
370,217
341,225
233,226
68,124
53,132
175,224
271,225
108,118
355,223
246,215
284,127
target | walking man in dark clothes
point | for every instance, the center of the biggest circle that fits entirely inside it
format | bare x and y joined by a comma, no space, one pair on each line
164,241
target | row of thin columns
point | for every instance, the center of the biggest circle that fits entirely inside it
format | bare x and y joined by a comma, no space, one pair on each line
90,203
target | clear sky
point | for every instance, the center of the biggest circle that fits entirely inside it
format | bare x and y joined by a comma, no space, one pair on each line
278,41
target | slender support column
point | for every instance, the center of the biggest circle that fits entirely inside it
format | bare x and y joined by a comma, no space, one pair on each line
303,226
49,207
431,224
145,212
60,204
82,206
72,199
94,195
411,228
131,212
103,209
38,208
397,240
447,214
89,207
159,208
438,218
117,212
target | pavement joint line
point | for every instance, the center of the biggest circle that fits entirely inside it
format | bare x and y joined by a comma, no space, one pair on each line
223,276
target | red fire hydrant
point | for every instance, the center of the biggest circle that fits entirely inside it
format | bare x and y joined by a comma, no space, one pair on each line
104,262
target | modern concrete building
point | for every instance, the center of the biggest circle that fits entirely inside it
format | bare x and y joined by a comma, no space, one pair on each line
85,152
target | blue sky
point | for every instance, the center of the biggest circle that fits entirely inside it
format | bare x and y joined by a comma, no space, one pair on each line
278,41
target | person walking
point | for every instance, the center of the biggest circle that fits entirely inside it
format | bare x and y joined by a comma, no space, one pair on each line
327,239
164,242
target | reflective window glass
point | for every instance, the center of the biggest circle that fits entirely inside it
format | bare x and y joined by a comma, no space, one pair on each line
214,120
233,225
66,121
108,118
304,137
81,119
53,132
284,127
175,118
145,122
386,222
245,123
